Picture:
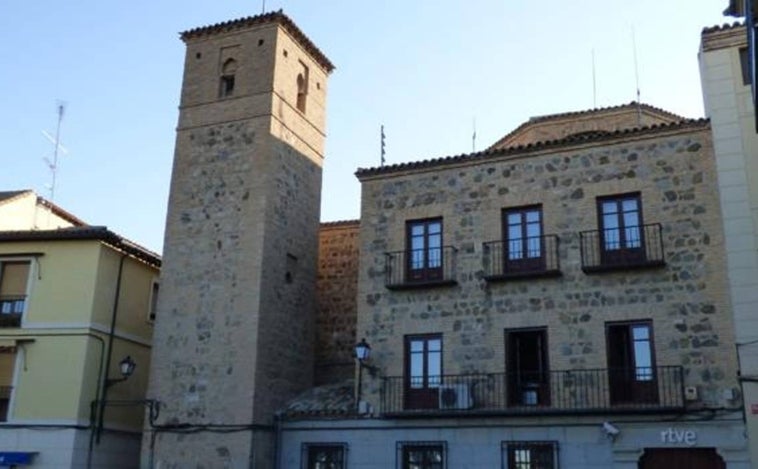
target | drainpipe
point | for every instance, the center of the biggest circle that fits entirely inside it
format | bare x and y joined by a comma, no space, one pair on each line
278,416
109,352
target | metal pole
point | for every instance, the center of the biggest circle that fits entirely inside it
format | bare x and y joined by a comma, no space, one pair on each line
360,383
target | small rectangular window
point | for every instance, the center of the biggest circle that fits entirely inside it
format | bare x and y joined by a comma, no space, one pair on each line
530,454
424,249
153,300
421,455
324,456
745,65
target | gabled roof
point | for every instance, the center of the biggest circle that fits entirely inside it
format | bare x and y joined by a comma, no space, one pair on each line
596,118
7,195
78,233
524,150
273,17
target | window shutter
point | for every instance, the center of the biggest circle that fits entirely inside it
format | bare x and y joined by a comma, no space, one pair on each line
13,278
7,364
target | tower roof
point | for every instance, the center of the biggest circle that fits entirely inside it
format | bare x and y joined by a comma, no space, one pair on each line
277,17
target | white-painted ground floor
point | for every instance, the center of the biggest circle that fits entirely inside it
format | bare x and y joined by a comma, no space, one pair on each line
672,442
51,447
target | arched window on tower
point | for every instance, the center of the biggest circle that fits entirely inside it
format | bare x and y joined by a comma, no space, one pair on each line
302,87
228,70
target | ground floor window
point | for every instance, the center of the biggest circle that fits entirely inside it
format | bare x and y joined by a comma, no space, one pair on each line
530,454
324,455
421,454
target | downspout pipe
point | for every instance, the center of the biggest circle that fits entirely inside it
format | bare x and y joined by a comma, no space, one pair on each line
109,351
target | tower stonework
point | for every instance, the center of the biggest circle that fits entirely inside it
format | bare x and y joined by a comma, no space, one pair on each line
234,329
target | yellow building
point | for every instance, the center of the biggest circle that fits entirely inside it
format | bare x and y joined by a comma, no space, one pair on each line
75,302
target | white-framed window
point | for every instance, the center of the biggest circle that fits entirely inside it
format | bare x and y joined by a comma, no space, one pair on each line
324,456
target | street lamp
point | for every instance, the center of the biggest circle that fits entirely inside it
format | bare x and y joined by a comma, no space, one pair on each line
126,366
362,352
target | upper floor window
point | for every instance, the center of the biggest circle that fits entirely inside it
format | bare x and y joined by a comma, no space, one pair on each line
155,288
7,370
523,239
424,246
323,456
14,276
302,87
421,455
530,454
528,376
745,65
228,72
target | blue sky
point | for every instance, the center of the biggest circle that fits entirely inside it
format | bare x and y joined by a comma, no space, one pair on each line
425,69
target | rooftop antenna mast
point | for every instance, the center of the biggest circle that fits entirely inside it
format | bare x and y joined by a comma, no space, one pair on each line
57,148
263,7
473,138
382,145
636,78
594,83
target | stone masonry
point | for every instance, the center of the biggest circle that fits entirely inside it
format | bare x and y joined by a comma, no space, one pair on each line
336,301
234,336
673,169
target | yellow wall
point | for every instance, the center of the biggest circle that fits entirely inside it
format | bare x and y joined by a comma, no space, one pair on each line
71,294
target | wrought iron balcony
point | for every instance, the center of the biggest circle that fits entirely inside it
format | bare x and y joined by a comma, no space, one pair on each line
536,256
622,248
595,391
11,308
420,268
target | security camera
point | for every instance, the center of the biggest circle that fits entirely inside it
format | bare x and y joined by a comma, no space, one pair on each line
610,429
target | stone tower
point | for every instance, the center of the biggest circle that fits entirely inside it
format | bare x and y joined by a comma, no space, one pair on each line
234,329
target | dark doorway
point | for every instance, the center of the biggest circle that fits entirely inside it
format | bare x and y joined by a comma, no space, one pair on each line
526,367
631,370
681,458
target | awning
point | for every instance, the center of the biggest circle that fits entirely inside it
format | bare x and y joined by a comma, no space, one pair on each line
15,458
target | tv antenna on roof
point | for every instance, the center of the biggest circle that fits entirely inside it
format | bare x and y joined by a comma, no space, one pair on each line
636,78
57,148
263,7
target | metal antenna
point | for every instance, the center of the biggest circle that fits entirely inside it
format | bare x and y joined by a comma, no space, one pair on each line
594,83
263,7
636,78
473,138
57,148
382,145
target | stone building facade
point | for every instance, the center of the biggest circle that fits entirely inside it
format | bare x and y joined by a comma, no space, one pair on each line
233,338
519,299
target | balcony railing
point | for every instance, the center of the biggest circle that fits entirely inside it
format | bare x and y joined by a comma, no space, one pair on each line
420,268
597,391
11,308
622,248
531,257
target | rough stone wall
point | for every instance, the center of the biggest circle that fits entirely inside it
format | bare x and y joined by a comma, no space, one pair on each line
558,128
687,300
337,287
234,332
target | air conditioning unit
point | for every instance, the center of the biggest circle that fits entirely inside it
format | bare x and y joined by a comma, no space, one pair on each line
455,396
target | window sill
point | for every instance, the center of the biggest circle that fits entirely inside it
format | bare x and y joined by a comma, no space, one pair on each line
522,275
417,285
598,269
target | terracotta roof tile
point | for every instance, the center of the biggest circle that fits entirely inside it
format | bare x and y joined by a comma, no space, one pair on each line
722,27
339,223
525,149
331,400
272,17
587,112
100,233
6,195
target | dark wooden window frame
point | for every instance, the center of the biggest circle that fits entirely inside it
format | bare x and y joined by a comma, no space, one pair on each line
608,254
543,389
424,273
509,449
403,448
524,262
426,396
631,395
